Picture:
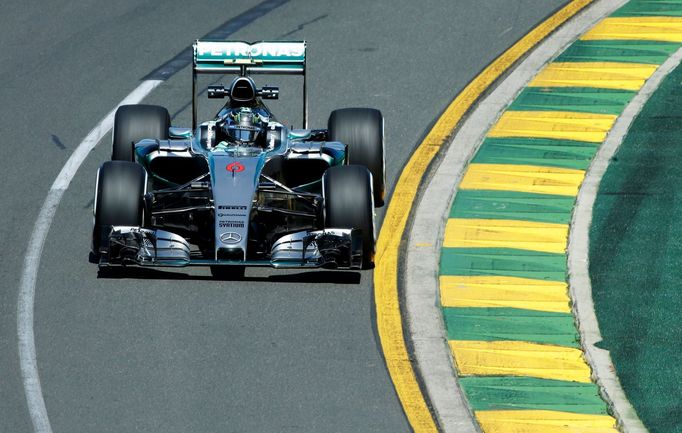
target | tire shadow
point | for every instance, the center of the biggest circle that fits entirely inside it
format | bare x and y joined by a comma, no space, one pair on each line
307,277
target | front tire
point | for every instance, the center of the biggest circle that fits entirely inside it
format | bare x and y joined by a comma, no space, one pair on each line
119,198
348,204
362,131
133,123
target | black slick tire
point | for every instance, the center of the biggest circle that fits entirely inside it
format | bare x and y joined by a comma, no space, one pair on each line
119,199
362,131
133,123
348,204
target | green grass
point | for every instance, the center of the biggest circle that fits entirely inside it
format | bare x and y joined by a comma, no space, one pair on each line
636,260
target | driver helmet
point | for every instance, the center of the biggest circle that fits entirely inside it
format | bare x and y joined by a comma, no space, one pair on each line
244,126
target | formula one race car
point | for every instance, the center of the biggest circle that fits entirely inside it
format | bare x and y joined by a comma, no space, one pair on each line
241,189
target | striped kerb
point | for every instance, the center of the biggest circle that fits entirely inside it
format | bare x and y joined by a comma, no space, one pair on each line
513,292
601,75
503,277
560,125
523,178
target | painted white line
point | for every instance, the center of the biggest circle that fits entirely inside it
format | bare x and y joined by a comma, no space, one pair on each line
578,255
27,285
424,315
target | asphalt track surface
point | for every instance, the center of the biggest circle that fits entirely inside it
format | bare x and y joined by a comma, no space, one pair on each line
178,351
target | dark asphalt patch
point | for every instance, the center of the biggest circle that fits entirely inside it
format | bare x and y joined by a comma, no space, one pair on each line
302,26
58,142
222,32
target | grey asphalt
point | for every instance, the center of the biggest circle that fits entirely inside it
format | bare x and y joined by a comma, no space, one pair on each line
178,351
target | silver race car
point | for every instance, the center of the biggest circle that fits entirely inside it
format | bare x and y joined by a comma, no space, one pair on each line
241,189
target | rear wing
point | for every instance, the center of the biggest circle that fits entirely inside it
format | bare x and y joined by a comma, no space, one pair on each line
243,58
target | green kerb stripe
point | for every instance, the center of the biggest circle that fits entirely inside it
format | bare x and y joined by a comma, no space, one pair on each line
511,324
519,393
651,52
512,205
503,262
672,8
575,99
536,151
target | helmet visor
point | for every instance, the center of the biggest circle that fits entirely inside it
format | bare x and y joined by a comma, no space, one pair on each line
243,134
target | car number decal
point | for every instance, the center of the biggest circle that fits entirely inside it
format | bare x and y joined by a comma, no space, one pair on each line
235,167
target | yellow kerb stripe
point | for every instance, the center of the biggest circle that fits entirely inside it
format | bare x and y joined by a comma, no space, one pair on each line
519,358
522,235
389,320
523,178
544,421
665,29
559,125
509,292
603,75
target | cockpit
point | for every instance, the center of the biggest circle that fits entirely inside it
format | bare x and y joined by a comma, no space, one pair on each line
244,121
243,126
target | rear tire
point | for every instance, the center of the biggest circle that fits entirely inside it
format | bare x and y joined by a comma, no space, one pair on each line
348,204
119,198
362,131
133,123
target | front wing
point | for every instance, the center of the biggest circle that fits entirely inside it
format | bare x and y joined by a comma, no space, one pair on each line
328,248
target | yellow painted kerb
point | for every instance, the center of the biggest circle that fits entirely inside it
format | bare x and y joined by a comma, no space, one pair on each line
484,291
664,29
519,358
544,421
560,125
389,323
496,233
523,178
600,75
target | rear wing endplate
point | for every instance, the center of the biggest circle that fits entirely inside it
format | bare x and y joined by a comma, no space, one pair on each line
243,58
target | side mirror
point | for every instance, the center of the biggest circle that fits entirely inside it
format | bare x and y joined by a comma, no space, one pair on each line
217,92
269,92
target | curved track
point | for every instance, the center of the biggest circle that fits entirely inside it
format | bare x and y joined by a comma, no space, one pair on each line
178,351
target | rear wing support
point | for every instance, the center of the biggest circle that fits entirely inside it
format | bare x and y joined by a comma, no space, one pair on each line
243,58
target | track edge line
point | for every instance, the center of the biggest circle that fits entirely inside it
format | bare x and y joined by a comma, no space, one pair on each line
25,300
387,301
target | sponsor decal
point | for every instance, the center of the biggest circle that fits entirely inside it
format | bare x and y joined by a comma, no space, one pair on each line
230,238
210,132
218,49
232,207
235,167
272,136
231,224
223,215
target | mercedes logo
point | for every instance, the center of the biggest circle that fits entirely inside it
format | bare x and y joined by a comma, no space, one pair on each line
230,238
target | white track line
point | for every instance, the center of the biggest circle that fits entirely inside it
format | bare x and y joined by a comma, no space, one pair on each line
29,275
578,255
